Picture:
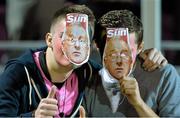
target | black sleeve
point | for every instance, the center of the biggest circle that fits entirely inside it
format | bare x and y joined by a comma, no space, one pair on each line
29,114
11,82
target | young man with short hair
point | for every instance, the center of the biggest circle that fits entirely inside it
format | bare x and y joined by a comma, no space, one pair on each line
115,91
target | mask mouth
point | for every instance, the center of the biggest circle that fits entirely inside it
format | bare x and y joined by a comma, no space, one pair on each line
77,54
119,69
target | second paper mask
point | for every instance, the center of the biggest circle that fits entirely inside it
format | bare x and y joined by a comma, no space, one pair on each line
76,42
117,57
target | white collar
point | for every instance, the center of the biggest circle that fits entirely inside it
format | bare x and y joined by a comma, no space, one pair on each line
112,89
107,76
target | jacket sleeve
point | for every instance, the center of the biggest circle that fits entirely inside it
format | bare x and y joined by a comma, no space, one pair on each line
29,114
11,84
169,97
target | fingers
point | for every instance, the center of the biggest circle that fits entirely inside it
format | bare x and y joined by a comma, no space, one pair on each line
128,85
151,68
47,113
148,53
82,112
158,63
153,63
164,62
129,88
153,59
149,58
51,104
143,54
52,92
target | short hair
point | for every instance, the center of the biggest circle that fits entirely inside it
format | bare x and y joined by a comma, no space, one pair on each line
115,19
61,14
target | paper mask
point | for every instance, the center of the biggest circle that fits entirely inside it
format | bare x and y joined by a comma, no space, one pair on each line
76,42
118,57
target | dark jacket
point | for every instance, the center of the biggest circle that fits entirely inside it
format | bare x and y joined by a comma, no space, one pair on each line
18,96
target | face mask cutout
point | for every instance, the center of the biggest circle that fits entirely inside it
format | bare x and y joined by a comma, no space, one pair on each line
75,39
117,56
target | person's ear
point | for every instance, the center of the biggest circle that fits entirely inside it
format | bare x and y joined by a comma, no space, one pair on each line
105,58
140,47
49,39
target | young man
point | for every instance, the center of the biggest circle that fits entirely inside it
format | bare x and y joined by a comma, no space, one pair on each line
26,85
115,91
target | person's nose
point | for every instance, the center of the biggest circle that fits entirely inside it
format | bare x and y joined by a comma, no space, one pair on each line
77,44
119,61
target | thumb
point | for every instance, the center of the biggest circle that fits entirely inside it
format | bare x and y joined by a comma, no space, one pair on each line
52,92
82,112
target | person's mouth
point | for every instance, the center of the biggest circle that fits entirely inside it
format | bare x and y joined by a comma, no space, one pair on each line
119,70
77,53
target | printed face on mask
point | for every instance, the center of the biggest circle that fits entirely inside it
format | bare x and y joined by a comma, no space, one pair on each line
76,44
117,58
117,55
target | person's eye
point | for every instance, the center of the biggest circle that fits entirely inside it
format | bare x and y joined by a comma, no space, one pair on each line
80,39
113,55
123,55
71,39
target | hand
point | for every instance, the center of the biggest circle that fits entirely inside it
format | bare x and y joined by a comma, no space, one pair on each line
82,112
129,88
153,59
48,106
